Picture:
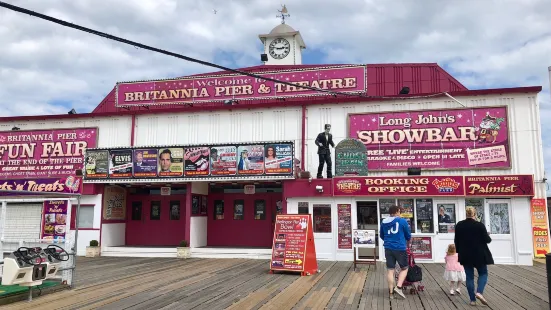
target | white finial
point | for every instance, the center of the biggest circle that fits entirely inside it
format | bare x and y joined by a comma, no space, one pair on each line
284,13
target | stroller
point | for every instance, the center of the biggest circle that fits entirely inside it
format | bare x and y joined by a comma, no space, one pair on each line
414,276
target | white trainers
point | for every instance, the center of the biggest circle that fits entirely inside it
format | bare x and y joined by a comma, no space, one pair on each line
458,291
399,292
452,292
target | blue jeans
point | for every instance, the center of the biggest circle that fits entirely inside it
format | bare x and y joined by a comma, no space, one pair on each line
482,280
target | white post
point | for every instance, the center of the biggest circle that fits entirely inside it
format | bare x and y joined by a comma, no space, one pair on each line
2,227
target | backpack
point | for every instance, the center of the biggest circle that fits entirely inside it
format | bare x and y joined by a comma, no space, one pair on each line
415,274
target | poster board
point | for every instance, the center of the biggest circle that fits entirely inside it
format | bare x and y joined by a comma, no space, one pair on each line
421,247
540,228
345,226
293,247
54,225
364,239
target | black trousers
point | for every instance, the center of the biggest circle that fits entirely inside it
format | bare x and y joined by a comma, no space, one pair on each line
325,159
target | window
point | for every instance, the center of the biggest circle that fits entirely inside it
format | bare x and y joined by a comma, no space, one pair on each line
136,210
366,215
195,205
238,209
155,211
478,205
425,217
499,218
175,210
322,218
303,208
219,209
85,218
259,210
384,207
446,217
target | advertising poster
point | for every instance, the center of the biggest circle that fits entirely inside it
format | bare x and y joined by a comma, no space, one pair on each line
196,161
278,158
223,160
421,247
145,163
203,205
120,164
289,248
406,205
345,226
364,238
114,203
195,204
42,154
446,217
171,162
424,216
55,220
347,79
250,160
97,164
468,138
540,227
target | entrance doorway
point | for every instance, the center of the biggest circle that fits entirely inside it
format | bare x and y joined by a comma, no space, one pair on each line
367,219
155,220
240,220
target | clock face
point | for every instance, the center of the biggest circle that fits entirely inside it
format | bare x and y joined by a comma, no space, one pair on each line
279,48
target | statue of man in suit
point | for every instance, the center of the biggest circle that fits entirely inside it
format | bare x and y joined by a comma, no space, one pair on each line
323,141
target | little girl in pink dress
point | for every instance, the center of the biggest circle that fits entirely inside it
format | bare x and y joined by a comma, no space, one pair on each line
455,273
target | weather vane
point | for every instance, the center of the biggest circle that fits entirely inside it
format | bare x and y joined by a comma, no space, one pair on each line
284,13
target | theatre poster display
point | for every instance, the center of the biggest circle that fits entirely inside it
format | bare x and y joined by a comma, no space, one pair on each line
55,220
232,161
289,248
223,160
364,238
470,138
121,164
345,226
145,163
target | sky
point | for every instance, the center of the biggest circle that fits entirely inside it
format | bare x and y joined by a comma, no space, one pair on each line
49,69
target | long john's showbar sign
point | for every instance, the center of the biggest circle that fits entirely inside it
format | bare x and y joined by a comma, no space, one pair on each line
482,186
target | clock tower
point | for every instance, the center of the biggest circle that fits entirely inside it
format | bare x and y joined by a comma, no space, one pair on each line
283,45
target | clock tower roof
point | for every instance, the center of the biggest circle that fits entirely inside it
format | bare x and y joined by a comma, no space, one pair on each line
283,29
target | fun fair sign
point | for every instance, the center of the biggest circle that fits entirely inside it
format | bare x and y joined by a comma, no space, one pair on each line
41,154
347,79
434,139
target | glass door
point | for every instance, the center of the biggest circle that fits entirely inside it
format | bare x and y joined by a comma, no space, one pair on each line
498,224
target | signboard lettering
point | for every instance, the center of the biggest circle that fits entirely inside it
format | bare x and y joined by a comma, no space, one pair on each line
506,185
540,227
350,158
434,139
350,79
44,153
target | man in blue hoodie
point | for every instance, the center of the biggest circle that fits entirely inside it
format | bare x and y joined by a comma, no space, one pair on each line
395,234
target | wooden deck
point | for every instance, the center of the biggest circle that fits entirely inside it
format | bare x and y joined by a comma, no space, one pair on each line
153,283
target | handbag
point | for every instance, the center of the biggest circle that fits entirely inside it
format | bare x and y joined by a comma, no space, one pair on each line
415,273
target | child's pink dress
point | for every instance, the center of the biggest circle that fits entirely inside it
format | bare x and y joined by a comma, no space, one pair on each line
454,271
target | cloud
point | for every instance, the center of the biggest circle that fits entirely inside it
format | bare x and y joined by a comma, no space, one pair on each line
46,68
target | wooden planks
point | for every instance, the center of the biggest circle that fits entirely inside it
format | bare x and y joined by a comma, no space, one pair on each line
158,283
